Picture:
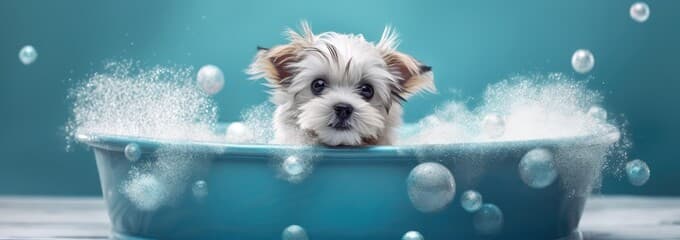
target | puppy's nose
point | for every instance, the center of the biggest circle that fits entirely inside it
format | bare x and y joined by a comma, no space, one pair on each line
343,111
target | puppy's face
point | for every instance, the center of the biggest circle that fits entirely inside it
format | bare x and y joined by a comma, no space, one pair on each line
340,88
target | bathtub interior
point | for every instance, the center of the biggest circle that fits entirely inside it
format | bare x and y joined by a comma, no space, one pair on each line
343,193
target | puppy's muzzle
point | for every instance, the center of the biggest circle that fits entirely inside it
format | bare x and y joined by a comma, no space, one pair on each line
343,113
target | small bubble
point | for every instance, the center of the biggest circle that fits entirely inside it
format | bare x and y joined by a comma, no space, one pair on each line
471,200
28,55
537,168
639,12
293,166
412,235
294,232
597,113
200,189
488,219
210,79
493,125
237,132
431,187
638,172
582,61
133,152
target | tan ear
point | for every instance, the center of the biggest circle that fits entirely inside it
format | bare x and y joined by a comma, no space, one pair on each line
274,64
413,76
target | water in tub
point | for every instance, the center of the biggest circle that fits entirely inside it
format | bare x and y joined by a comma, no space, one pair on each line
174,103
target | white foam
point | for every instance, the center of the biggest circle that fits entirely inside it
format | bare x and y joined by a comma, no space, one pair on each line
158,102
532,107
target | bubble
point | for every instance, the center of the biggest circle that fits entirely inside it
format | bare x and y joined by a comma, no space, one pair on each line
639,12
210,79
28,55
493,125
145,192
294,232
537,168
488,219
638,172
237,132
412,235
200,189
431,187
471,200
597,113
582,61
293,166
133,152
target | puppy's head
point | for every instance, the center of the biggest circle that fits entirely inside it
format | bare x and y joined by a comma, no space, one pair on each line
340,88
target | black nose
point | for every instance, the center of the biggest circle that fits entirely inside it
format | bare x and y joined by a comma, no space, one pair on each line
343,111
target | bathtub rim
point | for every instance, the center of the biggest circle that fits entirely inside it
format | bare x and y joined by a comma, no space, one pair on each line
118,143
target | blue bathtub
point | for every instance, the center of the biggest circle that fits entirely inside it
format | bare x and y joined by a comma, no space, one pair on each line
352,193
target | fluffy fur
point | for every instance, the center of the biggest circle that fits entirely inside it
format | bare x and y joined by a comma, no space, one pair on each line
345,62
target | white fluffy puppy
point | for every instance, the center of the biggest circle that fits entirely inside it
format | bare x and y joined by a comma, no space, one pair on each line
339,89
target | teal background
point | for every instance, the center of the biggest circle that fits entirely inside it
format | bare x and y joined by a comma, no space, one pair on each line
469,44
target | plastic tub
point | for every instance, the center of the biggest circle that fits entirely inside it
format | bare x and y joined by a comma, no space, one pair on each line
351,193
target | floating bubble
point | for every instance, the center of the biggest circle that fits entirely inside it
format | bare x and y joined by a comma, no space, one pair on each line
471,200
145,192
582,61
237,132
28,55
294,232
493,125
210,79
133,152
488,219
200,189
638,172
293,166
537,168
597,113
412,235
431,187
639,12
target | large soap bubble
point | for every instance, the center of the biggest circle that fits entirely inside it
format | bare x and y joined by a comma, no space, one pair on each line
471,200
28,55
639,12
133,152
294,232
582,61
431,187
210,79
412,235
537,168
488,219
493,125
638,172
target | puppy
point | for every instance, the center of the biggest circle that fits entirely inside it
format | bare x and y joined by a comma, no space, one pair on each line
338,89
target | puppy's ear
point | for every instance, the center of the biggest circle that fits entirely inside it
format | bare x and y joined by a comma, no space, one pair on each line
275,64
413,76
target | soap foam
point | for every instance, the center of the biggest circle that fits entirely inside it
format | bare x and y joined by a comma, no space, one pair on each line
532,107
157,102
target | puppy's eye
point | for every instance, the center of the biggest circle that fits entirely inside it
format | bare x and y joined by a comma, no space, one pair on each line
318,86
366,91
